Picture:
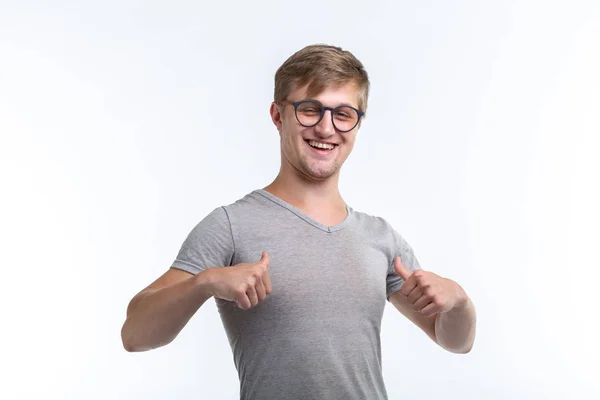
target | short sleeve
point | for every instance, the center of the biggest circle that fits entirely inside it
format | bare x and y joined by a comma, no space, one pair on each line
209,244
404,250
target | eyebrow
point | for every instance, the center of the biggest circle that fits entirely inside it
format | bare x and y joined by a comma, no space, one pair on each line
339,105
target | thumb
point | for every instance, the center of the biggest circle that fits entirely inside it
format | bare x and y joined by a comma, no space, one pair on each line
400,269
264,258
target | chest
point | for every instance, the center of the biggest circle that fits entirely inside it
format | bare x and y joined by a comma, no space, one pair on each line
320,276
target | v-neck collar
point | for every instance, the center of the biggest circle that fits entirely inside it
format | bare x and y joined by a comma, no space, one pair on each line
304,216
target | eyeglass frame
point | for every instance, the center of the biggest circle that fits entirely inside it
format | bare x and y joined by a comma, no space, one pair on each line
323,109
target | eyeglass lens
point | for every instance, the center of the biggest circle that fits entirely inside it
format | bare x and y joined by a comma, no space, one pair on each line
309,114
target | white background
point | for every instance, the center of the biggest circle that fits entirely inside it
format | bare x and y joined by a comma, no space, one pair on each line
123,123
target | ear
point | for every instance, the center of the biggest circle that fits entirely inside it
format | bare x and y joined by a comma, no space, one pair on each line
275,112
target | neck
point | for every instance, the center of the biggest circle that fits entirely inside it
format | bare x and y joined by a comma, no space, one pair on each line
305,193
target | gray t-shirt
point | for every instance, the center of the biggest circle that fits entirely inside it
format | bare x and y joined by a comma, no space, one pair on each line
317,335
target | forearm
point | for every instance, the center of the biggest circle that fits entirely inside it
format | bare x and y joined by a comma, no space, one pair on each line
155,317
455,329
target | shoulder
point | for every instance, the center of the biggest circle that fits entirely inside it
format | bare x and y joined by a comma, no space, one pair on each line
372,223
220,216
381,229
251,200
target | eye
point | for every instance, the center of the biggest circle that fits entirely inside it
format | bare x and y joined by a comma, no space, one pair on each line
310,109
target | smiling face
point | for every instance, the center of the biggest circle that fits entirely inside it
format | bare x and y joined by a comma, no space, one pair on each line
298,142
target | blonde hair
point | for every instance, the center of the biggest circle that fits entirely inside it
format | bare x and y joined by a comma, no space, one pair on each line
321,66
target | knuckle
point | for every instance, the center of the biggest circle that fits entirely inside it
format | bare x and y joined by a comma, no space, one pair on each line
240,290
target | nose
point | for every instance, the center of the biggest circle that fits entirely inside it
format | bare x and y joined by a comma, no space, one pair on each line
325,126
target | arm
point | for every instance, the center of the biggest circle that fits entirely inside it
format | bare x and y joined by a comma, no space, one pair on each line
427,324
157,314
453,330
439,306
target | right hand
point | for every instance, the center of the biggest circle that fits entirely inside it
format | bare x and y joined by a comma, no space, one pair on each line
244,283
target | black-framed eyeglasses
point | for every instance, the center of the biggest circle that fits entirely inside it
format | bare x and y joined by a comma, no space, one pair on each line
310,112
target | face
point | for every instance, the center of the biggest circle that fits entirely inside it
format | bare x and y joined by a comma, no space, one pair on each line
297,153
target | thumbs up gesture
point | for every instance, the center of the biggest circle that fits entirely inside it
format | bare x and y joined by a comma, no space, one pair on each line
246,283
427,292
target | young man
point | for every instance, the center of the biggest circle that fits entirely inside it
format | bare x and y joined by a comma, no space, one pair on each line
300,278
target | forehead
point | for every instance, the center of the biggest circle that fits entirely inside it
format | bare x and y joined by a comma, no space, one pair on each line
332,95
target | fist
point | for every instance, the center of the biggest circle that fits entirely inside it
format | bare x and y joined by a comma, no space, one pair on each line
245,283
427,292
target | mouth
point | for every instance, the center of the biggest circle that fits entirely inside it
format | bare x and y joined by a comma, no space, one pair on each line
320,147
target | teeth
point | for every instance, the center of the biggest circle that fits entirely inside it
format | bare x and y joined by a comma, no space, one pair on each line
321,145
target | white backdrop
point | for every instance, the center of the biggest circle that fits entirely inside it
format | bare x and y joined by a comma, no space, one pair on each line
123,123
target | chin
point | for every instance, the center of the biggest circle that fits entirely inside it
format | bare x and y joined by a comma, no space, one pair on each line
311,171
320,174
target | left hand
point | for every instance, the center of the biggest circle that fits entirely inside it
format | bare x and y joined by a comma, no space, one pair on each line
427,292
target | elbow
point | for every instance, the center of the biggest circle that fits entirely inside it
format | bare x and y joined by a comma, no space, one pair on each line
129,347
464,351
128,339
128,329
128,344
132,343
456,348
461,350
